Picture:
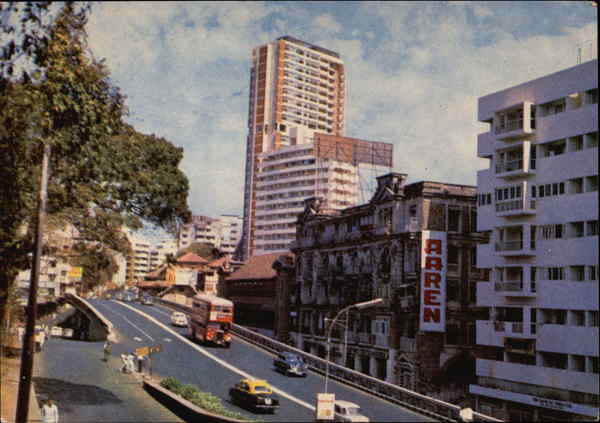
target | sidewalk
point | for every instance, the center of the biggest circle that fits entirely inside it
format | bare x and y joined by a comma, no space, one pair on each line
11,368
88,389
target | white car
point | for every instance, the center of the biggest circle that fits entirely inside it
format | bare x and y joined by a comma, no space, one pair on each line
346,411
67,333
179,319
56,331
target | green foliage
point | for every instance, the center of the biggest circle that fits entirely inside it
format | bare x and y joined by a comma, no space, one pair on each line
204,400
103,173
202,249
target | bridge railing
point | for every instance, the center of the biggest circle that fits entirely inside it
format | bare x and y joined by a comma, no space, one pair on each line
415,401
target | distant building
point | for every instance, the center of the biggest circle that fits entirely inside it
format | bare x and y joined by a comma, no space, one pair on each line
223,233
146,254
538,200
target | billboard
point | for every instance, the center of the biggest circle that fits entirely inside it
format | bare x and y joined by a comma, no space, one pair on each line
75,272
432,314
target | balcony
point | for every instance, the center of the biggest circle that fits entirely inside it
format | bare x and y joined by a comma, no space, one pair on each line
513,248
408,344
381,340
560,339
516,207
515,288
512,169
495,332
365,338
538,375
513,129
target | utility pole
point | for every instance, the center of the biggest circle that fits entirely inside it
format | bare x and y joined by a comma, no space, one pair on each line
28,338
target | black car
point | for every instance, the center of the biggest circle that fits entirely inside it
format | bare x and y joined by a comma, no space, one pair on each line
290,363
255,394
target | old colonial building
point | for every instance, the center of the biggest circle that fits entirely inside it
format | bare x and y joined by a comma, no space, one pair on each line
375,250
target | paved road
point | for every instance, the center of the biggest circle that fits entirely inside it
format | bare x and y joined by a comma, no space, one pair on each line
88,389
215,370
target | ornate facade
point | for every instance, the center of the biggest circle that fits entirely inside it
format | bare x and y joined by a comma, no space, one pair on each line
373,251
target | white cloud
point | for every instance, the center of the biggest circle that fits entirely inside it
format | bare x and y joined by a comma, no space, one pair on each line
327,24
414,73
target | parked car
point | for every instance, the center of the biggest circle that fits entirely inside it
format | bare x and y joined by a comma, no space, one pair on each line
56,331
67,333
179,319
147,301
346,411
290,363
255,394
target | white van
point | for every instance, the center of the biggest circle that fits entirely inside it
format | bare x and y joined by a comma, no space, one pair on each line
346,411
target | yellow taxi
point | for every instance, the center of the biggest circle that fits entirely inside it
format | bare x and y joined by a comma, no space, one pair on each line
256,394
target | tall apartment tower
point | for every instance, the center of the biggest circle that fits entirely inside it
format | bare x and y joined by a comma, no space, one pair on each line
539,202
295,146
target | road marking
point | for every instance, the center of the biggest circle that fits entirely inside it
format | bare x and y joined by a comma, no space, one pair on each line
217,359
128,321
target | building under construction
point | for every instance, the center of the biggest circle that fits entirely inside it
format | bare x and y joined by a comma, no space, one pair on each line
328,167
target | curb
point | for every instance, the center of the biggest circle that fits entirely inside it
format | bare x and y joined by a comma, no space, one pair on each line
183,408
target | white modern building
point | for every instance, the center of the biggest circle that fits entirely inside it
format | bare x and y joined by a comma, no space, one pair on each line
538,200
223,232
147,254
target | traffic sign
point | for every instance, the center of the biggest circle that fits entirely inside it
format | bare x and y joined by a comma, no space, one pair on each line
325,408
142,351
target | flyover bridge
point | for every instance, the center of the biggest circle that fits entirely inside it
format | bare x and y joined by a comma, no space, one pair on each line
419,403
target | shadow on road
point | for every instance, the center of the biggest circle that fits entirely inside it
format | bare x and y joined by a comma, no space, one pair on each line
73,394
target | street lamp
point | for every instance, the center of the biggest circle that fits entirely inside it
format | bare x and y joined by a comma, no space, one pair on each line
357,306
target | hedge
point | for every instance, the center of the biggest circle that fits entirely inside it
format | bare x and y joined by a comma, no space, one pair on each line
205,400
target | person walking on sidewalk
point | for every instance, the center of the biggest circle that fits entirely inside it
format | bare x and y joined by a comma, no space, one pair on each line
50,412
107,350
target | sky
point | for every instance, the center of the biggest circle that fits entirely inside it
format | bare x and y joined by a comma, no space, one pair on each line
414,72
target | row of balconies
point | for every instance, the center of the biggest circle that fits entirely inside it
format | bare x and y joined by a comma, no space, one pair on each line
350,337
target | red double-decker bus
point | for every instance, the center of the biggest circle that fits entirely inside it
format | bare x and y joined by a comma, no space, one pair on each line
211,320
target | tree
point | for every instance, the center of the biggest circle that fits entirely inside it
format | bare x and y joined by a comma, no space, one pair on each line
203,249
104,174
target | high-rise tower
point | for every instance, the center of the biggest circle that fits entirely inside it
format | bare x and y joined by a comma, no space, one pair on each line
296,89
295,146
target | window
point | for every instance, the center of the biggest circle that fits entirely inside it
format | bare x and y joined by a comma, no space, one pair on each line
592,227
591,183
576,186
577,229
453,291
592,273
555,274
578,273
452,255
453,220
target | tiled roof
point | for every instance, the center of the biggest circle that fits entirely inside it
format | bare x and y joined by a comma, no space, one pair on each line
258,267
219,262
192,258
153,284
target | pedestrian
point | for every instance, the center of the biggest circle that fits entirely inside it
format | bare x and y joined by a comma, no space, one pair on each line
125,366
107,350
131,363
140,363
50,412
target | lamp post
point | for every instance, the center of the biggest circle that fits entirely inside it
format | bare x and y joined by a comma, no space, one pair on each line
357,306
345,326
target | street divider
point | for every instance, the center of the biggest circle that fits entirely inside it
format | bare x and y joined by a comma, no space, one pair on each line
183,408
419,403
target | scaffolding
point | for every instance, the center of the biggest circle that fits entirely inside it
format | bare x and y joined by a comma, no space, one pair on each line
369,159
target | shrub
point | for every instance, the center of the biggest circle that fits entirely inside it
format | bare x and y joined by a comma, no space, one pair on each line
204,400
